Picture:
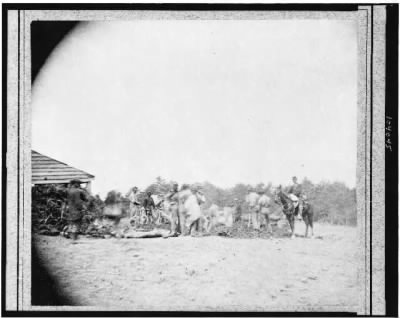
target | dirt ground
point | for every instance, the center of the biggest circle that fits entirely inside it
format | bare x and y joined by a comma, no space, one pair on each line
209,273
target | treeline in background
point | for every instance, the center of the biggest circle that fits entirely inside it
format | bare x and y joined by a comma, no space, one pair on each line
333,202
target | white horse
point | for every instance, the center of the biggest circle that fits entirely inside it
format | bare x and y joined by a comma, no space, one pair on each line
215,215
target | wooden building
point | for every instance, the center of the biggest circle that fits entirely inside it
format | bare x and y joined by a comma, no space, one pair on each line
46,170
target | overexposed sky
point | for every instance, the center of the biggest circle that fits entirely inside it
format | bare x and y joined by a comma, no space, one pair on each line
218,100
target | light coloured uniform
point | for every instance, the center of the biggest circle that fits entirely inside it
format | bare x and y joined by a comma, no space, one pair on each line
264,203
294,198
134,204
189,209
295,192
201,200
252,203
173,198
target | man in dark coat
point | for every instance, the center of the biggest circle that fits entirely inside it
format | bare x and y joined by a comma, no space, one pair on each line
76,200
238,210
149,205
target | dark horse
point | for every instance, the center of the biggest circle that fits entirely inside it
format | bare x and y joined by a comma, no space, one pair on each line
306,210
287,207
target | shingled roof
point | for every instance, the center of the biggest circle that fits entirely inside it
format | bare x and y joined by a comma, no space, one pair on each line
48,170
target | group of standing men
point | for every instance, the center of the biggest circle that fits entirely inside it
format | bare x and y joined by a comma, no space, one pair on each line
259,203
148,202
185,209
176,207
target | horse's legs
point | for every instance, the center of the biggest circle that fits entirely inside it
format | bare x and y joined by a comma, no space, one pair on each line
307,224
292,225
195,226
311,221
290,219
191,227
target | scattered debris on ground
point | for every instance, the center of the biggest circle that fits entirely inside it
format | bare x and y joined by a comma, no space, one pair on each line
121,228
241,230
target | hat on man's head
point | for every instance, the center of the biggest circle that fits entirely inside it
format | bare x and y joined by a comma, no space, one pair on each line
75,181
185,186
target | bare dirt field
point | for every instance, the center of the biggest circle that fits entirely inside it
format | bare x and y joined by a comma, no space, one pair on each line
209,273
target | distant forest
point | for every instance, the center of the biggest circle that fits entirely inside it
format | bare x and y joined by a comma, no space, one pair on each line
333,202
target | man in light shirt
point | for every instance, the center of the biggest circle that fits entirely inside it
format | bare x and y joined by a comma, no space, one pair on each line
252,204
295,193
173,198
133,201
264,203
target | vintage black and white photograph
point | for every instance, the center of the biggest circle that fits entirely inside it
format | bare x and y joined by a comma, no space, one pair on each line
198,160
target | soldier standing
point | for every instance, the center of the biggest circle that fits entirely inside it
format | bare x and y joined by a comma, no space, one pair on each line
238,210
133,202
252,204
201,200
264,203
76,200
149,205
173,198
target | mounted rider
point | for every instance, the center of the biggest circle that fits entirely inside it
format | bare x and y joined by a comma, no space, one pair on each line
295,194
